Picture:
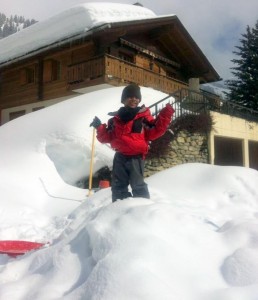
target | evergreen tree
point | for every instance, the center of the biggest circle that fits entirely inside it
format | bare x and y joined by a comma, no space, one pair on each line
21,19
33,21
13,24
244,89
28,23
5,30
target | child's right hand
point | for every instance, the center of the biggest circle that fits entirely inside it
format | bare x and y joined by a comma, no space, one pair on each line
96,122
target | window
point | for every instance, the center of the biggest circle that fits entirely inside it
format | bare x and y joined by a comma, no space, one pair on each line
52,70
228,151
27,75
253,154
38,108
171,74
16,114
126,57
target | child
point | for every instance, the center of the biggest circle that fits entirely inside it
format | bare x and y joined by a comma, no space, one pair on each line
129,132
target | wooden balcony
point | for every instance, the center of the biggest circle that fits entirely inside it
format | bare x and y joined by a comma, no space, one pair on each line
114,71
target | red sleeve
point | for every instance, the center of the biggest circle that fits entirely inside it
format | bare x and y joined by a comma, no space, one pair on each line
103,135
162,122
149,118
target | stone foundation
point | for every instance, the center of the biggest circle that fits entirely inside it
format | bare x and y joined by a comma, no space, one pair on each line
186,147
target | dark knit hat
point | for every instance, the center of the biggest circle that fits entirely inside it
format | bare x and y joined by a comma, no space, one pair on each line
132,90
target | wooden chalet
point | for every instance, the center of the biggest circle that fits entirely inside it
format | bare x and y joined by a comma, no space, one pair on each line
155,52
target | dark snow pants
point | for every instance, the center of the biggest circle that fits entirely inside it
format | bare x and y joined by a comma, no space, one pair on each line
128,170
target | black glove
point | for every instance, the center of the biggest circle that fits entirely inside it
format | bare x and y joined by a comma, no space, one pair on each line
95,123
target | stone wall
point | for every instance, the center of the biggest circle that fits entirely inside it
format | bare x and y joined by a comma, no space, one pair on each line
186,147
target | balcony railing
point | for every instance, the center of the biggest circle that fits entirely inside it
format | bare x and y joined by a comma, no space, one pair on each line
86,71
113,69
189,102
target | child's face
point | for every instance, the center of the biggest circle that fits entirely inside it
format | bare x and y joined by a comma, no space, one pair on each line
131,102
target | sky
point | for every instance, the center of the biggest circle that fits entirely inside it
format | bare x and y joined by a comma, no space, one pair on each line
216,26
196,238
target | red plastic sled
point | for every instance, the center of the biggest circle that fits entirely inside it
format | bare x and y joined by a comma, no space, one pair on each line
14,248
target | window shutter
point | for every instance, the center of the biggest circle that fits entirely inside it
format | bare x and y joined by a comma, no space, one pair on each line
47,71
23,76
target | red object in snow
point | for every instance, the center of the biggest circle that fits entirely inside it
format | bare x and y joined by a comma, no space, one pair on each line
14,248
104,184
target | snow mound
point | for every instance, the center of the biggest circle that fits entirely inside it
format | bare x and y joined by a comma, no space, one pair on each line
149,249
43,154
241,268
195,239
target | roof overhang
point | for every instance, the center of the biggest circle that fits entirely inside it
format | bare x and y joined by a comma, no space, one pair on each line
167,31
173,37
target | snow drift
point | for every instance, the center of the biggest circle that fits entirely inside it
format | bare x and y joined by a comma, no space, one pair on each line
195,239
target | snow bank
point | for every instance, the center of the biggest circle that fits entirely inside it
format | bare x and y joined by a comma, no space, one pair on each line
195,239
44,154
167,247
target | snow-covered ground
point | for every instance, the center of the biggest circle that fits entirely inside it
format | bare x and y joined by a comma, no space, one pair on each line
195,239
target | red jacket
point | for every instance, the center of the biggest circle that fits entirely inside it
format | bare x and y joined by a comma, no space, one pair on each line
125,139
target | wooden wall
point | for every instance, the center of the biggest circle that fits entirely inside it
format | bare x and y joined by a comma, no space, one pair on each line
14,91
41,78
45,77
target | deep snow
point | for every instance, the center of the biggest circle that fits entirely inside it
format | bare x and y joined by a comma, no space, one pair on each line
195,239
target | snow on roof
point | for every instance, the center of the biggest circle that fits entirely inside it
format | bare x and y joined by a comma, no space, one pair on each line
74,21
